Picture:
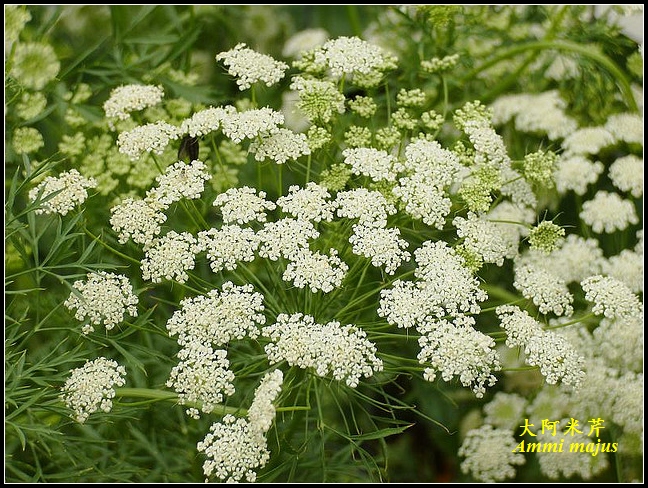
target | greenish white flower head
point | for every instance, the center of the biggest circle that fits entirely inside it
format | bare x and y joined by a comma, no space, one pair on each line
490,454
62,193
249,66
34,64
92,387
129,98
104,298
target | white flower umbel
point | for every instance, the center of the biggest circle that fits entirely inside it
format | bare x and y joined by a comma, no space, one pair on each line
621,343
346,55
319,100
576,458
226,246
170,257
548,292
285,238
92,387
310,203
201,377
154,137
243,205
340,350
374,163
626,127
627,267
482,237
304,40
382,245
505,410
70,188
608,212
423,200
576,259
280,146
611,297
520,327
234,449
490,454
627,174
262,412
180,180
315,270
457,349
128,98
587,140
542,113
556,358
234,312
427,158
137,219
251,124
370,207
406,304
104,298
576,172
250,67
206,121
510,219
489,146
446,281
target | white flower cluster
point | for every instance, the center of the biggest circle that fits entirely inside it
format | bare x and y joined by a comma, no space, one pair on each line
369,206
262,411
228,245
285,238
490,454
137,219
406,304
608,212
61,194
218,317
202,376
127,98
234,449
509,219
91,387
304,40
457,349
374,163
382,245
627,267
571,462
346,55
153,137
251,124
548,292
587,140
310,203
575,172
437,165
243,205
280,146
170,257
423,200
180,180
575,259
542,113
626,127
104,298
627,174
205,121
552,353
342,351
319,100
315,270
611,297
620,342
489,146
249,66
484,238
505,410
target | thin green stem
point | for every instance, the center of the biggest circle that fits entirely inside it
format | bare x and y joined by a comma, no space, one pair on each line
110,248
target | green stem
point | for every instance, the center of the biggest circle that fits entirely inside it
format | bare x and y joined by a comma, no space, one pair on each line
112,249
563,45
160,395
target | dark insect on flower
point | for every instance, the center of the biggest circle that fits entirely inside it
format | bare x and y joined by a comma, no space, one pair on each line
188,147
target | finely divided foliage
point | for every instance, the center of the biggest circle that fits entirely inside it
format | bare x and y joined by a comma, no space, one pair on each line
309,262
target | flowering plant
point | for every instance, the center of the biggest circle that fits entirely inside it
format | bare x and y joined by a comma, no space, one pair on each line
425,231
